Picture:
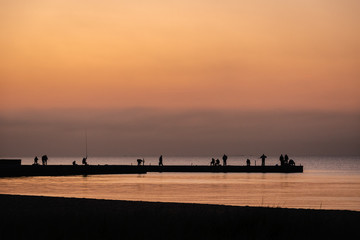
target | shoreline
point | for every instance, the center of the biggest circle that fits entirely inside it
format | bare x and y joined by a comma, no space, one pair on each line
41,217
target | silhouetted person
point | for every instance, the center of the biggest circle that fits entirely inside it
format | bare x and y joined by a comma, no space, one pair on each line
84,162
36,160
281,160
291,162
139,161
44,159
263,157
161,160
248,162
286,159
217,162
224,159
212,163
74,163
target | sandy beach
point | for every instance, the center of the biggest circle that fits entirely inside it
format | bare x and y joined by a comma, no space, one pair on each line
33,217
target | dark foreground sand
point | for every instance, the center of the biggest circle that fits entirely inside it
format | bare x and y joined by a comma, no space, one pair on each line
28,217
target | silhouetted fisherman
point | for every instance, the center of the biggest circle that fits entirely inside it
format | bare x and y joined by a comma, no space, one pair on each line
212,163
74,163
248,162
44,159
217,162
224,159
281,160
286,159
161,160
139,161
263,157
84,162
291,162
36,160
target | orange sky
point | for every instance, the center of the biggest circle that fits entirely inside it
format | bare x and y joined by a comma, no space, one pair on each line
180,54
202,77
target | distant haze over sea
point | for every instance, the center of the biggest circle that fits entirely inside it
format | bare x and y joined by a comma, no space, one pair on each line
151,132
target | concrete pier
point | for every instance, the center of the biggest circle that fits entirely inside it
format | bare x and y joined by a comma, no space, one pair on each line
225,169
65,170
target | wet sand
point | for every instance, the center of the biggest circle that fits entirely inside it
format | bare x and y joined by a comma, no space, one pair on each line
31,217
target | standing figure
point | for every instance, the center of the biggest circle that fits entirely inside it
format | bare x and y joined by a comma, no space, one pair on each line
281,160
44,159
286,161
212,163
84,162
161,160
263,160
248,162
224,159
36,160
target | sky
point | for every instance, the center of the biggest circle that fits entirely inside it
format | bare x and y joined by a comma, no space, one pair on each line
179,77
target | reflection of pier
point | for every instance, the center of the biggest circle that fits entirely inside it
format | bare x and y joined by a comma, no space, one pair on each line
13,168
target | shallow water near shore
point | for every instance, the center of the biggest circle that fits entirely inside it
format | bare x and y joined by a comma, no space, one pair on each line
327,183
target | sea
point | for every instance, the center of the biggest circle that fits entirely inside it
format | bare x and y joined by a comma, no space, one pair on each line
326,183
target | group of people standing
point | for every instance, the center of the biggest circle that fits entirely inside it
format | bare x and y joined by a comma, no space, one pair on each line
83,162
142,161
263,157
217,161
44,160
284,160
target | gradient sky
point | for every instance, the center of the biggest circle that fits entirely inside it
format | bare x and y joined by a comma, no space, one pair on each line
180,77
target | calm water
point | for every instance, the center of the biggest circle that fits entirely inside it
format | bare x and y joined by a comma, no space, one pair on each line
327,183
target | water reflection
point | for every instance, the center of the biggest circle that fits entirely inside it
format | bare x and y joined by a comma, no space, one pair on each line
274,190
327,183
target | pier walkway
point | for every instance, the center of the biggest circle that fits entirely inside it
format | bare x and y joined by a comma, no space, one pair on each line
65,170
